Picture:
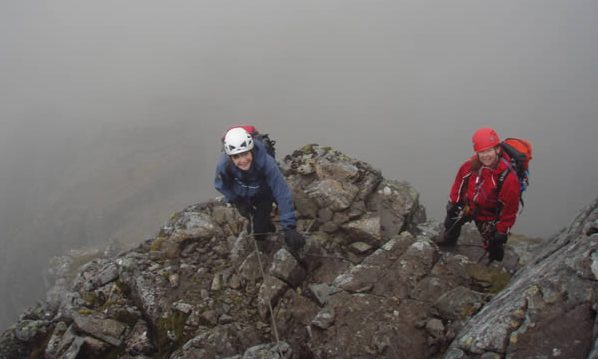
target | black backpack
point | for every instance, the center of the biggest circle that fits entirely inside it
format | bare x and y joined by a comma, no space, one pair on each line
267,141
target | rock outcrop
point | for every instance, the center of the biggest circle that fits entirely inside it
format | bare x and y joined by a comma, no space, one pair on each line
549,308
370,283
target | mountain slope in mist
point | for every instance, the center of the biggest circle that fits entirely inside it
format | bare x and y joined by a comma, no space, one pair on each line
370,283
116,192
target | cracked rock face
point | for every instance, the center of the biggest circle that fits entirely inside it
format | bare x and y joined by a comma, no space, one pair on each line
549,309
370,283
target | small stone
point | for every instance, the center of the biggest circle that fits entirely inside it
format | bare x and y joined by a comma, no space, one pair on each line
183,307
235,282
324,319
173,279
594,265
216,282
435,328
325,214
210,316
329,227
305,169
321,292
360,247
261,325
225,319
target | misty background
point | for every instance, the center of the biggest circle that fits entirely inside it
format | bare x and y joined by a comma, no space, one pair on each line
111,112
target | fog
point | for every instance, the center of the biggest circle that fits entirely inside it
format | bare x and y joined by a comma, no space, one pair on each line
111,112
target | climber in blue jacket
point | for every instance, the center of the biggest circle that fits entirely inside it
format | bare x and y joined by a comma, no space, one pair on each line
249,179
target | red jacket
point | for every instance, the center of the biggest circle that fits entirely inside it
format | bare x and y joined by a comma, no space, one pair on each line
477,189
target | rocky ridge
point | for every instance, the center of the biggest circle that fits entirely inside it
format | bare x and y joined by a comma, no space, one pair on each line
370,283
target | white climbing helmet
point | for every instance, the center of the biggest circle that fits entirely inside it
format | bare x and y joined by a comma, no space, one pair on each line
237,140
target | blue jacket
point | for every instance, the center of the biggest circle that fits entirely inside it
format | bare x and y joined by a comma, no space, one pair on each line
262,181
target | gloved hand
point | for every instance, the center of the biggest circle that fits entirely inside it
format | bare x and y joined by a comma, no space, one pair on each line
245,209
453,209
453,213
294,240
496,251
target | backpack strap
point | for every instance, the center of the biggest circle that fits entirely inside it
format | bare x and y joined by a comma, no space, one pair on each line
503,175
501,179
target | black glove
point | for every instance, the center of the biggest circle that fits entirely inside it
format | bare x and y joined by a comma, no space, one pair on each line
453,209
496,251
245,209
453,213
294,240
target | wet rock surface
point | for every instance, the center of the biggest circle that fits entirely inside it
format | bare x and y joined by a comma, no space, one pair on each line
370,283
549,308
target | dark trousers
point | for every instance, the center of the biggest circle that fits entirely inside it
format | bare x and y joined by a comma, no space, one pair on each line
453,229
262,222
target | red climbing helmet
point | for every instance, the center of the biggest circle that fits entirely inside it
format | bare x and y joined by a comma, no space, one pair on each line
484,138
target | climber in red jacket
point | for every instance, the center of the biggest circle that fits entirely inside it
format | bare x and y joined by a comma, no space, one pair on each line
486,192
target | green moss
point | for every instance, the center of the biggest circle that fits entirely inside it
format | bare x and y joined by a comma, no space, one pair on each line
85,311
237,300
157,244
109,303
91,299
173,324
309,149
494,276
500,280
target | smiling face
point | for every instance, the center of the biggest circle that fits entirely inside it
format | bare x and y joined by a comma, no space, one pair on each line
243,160
489,157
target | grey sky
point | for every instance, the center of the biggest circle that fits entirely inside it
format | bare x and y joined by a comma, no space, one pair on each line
112,110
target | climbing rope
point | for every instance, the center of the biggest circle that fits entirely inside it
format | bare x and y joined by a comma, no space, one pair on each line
259,260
